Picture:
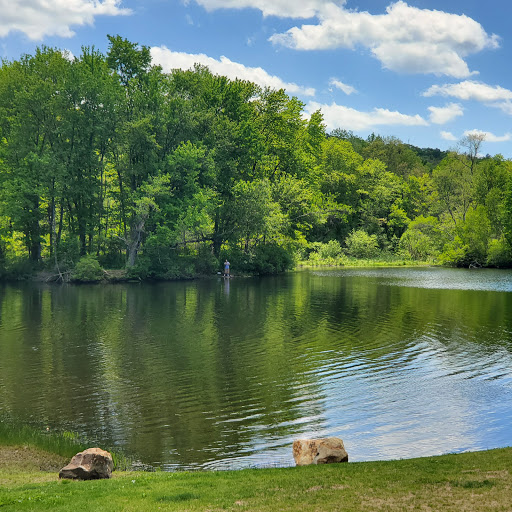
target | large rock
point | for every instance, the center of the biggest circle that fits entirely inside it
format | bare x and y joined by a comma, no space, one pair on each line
327,450
91,464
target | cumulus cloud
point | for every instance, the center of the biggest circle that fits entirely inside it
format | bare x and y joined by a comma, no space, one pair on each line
40,18
488,136
281,8
448,136
405,39
506,106
336,116
170,60
347,89
470,90
443,115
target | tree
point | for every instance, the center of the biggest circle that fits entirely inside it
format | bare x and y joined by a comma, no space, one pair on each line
398,157
453,182
145,203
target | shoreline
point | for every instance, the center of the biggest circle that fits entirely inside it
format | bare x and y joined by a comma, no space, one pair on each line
114,276
477,481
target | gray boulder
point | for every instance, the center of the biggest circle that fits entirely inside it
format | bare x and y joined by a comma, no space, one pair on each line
91,464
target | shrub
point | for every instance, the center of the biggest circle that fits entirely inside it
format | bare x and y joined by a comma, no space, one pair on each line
331,250
272,259
362,245
68,252
424,239
87,270
262,259
19,268
456,254
329,253
499,254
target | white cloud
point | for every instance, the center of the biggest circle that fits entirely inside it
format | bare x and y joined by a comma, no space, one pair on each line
490,137
448,136
170,60
506,106
443,115
281,8
405,39
470,90
40,18
339,116
347,89
68,54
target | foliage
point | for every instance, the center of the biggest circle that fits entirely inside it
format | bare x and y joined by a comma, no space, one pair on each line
88,269
330,253
456,254
159,172
331,249
499,253
424,239
261,260
362,245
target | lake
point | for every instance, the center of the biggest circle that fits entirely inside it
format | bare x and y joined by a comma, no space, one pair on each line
225,374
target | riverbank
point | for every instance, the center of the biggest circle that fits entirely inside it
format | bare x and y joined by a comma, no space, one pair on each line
112,276
476,482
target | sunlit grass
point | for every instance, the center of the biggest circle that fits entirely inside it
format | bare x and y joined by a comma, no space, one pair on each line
477,482
346,261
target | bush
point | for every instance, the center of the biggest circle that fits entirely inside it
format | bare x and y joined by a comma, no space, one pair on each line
19,268
331,250
262,259
362,245
272,259
499,254
417,245
87,270
170,266
68,252
424,239
329,253
456,254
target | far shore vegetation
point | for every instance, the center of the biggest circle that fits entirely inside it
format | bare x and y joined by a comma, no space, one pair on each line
112,169
30,462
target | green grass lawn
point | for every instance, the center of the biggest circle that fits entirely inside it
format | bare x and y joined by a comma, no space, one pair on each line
475,482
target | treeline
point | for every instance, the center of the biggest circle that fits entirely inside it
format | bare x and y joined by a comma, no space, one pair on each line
107,161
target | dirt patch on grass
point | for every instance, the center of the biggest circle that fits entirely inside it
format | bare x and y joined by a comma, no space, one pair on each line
26,458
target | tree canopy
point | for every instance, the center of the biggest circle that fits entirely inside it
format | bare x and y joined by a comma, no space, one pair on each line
167,174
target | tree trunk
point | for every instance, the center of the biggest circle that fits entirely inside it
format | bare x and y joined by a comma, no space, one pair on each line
135,240
217,241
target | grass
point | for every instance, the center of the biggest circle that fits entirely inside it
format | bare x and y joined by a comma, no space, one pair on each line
476,482
64,444
345,261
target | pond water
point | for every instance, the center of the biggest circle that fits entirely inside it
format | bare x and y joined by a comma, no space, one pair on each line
218,374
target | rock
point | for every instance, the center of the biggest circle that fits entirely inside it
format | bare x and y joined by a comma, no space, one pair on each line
91,464
327,450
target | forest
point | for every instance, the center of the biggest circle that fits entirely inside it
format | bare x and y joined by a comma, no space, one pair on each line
106,162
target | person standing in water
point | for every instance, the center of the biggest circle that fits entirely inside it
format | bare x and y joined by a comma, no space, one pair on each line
226,268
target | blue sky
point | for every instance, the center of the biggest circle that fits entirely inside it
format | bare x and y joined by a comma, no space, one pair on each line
426,71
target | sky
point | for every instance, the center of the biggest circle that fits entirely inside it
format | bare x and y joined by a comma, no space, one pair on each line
426,71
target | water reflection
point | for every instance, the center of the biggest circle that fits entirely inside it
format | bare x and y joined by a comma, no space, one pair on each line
226,373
